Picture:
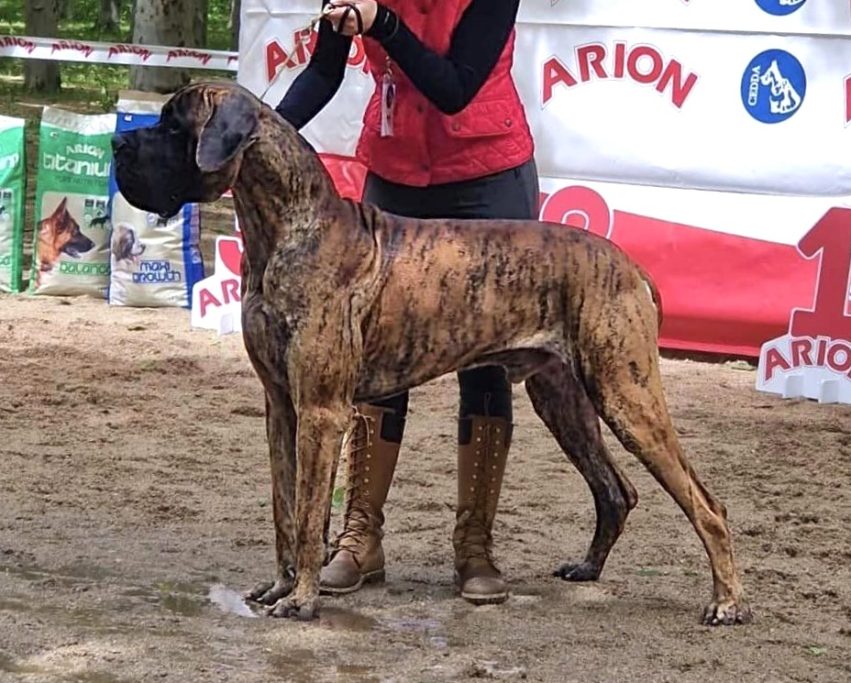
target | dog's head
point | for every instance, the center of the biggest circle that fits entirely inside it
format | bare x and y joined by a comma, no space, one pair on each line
61,232
194,152
125,244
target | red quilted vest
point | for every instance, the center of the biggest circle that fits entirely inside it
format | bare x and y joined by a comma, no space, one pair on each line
428,147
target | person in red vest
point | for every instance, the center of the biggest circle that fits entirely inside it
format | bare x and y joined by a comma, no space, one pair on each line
444,136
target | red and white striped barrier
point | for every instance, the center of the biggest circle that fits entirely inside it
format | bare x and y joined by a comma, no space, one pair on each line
28,47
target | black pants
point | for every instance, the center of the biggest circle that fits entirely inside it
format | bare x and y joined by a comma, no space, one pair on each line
511,194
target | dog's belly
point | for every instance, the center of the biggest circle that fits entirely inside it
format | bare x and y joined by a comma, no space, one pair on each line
456,296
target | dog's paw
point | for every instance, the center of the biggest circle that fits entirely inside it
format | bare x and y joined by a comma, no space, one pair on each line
295,608
727,613
269,593
578,572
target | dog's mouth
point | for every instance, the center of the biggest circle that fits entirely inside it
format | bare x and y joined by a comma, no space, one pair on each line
72,252
145,195
168,214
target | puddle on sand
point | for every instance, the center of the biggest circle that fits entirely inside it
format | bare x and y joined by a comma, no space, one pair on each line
183,605
192,599
337,618
334,618
429,629
229,601
183,598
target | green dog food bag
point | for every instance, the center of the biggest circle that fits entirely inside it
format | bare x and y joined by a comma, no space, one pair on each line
13,177
72,224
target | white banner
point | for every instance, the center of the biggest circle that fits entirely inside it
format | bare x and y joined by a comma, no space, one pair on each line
749,16
699,110
703,110
28,47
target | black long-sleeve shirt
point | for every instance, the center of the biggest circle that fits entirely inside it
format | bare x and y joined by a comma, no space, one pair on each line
450,82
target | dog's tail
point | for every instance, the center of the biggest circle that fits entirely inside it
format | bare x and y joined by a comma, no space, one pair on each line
654,292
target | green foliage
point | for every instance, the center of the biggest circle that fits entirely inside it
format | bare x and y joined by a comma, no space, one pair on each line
93,85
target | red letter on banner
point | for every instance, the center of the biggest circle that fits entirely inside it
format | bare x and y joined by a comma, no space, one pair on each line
681,89
773,360
556,72
591,57
275,57
206,298
832,237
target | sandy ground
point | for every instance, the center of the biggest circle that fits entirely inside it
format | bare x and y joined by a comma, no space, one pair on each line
134,507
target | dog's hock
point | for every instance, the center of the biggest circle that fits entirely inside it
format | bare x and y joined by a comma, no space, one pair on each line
227,132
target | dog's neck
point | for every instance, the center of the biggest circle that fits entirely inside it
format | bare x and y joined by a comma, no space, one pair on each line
283,193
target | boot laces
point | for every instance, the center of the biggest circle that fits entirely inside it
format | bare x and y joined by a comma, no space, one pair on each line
361,520
475,540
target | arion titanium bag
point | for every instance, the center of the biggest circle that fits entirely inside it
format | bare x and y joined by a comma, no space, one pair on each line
71,240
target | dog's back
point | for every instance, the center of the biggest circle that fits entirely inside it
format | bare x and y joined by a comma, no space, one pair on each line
533,285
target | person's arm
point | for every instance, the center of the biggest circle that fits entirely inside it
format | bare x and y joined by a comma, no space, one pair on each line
450,82
317,84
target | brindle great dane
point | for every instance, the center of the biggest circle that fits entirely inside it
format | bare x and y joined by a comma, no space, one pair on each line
343,303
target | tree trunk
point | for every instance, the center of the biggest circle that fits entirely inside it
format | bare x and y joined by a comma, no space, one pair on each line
41,18
233,24
200,24
168,23
109,16
133,4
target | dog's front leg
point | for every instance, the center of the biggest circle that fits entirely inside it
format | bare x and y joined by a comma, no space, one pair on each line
318,443
281,424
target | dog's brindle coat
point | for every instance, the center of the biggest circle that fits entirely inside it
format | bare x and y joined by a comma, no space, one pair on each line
343,303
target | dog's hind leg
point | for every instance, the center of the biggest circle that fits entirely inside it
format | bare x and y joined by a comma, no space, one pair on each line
280,432
562,403
621,374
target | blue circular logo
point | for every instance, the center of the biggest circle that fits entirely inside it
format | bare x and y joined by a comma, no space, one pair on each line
780,8
774,86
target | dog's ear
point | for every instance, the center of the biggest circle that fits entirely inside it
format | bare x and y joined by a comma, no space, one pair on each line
228,131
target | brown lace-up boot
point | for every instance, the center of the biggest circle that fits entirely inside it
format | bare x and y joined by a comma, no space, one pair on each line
358,557
481,465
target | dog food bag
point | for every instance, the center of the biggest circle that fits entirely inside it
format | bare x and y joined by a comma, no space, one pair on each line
71,240
13,175
154,261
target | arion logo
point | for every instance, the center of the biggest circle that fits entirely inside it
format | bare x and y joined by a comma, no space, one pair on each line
780,8
773,86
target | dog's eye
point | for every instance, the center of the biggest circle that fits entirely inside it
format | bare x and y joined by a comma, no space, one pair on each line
170,125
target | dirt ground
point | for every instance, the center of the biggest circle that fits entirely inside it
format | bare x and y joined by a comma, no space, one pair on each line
135,506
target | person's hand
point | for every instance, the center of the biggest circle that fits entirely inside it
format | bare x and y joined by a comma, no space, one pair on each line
335,11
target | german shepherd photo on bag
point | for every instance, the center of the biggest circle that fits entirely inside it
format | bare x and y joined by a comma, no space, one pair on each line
59,234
